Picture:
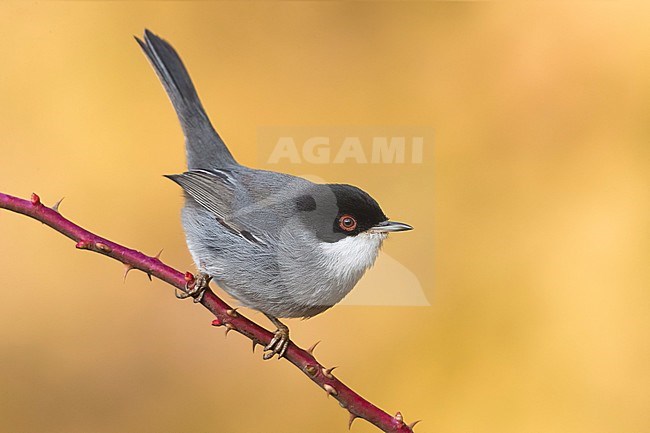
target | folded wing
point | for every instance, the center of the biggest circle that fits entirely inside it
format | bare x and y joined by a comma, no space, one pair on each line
213,190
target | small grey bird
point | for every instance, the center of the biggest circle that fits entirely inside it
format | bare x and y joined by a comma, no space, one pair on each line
277,243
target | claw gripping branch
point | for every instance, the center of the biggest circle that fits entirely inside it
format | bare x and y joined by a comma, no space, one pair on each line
232,320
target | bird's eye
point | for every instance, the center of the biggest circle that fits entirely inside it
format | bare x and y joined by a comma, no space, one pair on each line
347,223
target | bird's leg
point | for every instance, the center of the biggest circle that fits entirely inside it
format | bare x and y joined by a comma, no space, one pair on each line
280,341
201,283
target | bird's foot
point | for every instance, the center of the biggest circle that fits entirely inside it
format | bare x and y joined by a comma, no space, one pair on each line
197,289
278,345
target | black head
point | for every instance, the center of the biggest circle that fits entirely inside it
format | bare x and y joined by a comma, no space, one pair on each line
336,211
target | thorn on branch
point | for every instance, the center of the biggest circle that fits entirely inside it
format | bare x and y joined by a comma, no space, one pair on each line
352,418
229,328
399,418
56,205
127,268
412,425
327,372
157,256
311,370
311,349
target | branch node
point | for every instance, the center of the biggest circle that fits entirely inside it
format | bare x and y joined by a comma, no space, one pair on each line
83,245
189,279
311,370
103,247
330,390
399,418
35,199
217,322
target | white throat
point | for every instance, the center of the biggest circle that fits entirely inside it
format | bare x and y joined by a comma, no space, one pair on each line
348,258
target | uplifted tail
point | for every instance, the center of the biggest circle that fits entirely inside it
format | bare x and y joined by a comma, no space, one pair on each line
204,148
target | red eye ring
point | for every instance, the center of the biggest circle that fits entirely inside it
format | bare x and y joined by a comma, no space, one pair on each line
347,222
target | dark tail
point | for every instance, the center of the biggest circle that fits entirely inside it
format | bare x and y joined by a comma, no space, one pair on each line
205,149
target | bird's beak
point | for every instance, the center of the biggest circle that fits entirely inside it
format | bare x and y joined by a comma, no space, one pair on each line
391,226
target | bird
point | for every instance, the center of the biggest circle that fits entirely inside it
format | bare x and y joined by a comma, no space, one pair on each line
277,243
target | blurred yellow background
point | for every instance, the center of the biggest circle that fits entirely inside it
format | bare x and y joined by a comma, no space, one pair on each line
534,199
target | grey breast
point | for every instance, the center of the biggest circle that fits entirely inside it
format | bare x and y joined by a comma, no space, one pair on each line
244,229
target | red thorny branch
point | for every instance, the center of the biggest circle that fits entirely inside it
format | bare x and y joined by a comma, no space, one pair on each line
225,316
